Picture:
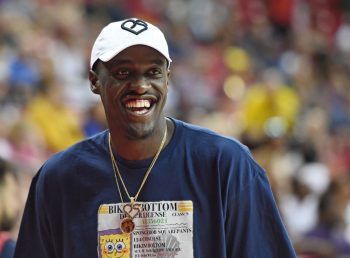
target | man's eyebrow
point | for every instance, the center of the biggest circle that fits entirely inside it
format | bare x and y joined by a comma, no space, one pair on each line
120,62
158,61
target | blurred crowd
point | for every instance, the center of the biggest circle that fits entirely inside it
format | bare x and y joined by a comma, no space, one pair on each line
273,74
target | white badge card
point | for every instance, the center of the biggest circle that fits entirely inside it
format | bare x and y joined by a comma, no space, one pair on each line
161,229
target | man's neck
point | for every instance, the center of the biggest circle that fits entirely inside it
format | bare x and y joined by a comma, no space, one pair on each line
140,149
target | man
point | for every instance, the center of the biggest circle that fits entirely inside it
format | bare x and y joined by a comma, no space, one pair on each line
150,186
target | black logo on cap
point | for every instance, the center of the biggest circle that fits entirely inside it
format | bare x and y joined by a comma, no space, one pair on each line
134,26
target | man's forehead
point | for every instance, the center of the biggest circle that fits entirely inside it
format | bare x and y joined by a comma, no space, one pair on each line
142,50
120,62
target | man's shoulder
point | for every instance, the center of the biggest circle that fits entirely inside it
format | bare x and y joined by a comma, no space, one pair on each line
82,152
211,149
203,136
89,145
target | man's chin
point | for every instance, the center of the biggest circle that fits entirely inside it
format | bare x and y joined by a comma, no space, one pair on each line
140,131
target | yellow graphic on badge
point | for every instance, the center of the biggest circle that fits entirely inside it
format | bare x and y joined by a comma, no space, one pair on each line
115,245
103,209
185,206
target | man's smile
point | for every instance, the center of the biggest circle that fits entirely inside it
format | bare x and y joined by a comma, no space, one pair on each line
139,105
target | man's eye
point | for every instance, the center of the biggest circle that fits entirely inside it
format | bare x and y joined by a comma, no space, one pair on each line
155,72
121,74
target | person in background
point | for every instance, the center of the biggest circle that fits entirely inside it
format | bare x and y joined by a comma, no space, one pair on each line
9,208
52,118
327,238
95,121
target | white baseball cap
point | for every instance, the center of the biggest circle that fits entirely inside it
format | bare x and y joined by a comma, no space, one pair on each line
117,36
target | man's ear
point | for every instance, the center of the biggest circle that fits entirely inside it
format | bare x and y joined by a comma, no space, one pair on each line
168,79
94,82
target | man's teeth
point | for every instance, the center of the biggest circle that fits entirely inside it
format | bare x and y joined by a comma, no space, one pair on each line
140,103
141,112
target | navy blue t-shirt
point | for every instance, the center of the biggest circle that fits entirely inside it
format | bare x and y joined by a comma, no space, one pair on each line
234,212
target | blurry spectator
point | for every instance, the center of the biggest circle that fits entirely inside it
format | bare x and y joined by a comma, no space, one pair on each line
5,147
343,35
24,76
311,180
9,208
28,148
95,120
270,108
299,208
53,119
327,239
313,172
207,19
281,14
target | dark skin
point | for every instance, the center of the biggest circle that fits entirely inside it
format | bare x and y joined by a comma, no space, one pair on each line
133,87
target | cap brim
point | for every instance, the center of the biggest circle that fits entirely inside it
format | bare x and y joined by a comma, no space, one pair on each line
112,53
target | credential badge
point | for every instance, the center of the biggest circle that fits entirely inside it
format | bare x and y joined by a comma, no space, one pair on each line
134,26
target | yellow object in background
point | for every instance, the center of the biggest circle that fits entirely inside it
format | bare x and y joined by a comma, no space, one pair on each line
269,110
59,126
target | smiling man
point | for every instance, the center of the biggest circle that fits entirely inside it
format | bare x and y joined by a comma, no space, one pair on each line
133,87
174,189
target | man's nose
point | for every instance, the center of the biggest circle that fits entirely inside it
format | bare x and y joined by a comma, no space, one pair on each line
140,84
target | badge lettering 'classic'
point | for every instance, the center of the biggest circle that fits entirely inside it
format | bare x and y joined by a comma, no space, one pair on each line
134,26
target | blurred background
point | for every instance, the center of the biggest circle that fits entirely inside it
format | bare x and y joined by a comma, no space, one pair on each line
273,74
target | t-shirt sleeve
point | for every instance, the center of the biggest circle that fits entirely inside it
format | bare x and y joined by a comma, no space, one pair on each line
34,239
254,228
